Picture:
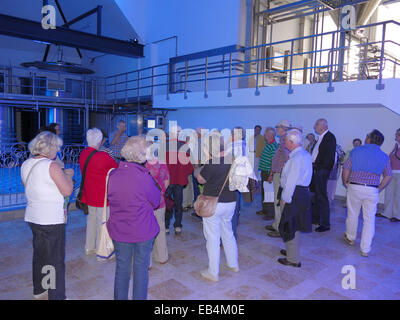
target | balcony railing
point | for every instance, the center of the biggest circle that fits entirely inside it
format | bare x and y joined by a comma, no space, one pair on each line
343,56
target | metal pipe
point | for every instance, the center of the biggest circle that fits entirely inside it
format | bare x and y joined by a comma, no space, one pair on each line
230,74
205,79
257,93
331,88
186,74
99,18
290,91
380,85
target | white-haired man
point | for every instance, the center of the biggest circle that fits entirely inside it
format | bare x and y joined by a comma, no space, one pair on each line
323,157
279,160
94,166
295,200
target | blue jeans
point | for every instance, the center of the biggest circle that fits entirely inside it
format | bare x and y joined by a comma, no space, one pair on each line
196,190
235,218
140,251
176,191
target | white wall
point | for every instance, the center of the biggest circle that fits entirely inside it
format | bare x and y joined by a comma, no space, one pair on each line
199,25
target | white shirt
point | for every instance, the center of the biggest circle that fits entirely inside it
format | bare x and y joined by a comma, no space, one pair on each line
315,150
296,172
45,202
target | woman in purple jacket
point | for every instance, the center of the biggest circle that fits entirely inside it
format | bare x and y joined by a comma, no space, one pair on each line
133,196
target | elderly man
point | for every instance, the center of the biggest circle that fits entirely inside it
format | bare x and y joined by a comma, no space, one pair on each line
279,160
179,168
118,139
265,166
295,201
312,141
361,175
323,157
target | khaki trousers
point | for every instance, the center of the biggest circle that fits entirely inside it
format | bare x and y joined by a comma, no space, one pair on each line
277,183
392,198
160,251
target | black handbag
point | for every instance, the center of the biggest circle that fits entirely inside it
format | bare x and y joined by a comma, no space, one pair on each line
78,203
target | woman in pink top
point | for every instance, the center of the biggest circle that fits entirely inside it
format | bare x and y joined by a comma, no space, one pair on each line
160,174
392,192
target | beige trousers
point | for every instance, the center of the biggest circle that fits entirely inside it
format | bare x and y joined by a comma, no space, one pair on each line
93,223
160,251
392,198
277,183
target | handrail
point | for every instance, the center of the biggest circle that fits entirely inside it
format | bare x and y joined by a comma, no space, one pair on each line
186,72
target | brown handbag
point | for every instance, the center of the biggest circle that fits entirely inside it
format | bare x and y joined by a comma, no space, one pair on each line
205,206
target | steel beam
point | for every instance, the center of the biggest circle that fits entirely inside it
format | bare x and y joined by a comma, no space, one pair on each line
27,29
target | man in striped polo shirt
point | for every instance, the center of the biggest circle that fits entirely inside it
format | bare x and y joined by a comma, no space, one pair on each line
278,162
265,168
361,175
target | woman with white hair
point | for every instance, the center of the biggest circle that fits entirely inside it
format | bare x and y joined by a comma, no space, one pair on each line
46,185
97,163
133,196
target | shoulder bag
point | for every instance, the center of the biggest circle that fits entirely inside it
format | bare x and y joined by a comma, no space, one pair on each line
205,206
105,248
78,203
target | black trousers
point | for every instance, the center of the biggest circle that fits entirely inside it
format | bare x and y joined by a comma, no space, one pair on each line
176,191
267,207
48,250
320,204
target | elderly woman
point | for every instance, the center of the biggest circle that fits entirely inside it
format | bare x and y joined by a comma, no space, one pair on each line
392,193
46,185
98,164
133,196
219,226
159,171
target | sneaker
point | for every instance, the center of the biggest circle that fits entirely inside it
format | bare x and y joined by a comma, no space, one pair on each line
205,274
364,254
178,230
236,269
42,296
347,240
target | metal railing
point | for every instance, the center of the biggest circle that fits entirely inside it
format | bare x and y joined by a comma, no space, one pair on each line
11,158
17,83
331,63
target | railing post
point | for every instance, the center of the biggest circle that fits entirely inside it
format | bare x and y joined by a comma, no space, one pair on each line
33,85
330,87
115,89
257,93
186,75
152,82
138,86
126,87
205,79
230,74
168,79
380,85
290,91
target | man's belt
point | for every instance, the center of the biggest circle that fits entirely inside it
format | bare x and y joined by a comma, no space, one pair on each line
364,184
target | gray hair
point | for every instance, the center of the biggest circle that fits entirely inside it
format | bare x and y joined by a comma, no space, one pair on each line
295,136
94,137
135,149
270,129
45,143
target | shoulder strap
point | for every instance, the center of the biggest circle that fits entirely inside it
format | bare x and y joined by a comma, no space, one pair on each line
85,167
30,171
223,186
104,217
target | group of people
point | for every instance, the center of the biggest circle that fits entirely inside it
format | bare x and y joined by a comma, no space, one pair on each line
140,188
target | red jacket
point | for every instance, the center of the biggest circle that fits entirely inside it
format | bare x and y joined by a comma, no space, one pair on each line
95,177
179,170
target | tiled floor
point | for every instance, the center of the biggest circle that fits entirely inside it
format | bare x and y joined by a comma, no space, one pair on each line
261,277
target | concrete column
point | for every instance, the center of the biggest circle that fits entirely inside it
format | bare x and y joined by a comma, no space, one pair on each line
7,127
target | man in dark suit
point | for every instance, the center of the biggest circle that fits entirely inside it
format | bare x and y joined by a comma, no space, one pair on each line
323,157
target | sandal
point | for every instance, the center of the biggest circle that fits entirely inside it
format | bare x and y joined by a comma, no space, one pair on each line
380,215
395,220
